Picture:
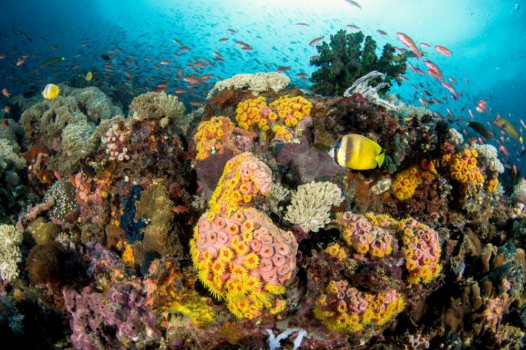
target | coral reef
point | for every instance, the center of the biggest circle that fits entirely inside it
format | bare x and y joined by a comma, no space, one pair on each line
166,230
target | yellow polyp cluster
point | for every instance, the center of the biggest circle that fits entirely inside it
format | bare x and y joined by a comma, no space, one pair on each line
282,133
209,136
279,306
406,182
196,309
382,220
492,185
172,290
292,110
247,114
243,178
463,168
336,251
421,250
347,310
127,256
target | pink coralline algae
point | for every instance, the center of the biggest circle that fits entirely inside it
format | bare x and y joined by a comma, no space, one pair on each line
94,205
119,316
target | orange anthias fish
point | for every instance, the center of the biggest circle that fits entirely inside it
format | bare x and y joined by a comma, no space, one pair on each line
5,92
443,51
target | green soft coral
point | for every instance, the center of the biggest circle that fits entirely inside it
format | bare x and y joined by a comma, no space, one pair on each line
344,60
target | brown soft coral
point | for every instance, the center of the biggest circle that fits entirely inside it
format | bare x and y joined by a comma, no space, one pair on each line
162,233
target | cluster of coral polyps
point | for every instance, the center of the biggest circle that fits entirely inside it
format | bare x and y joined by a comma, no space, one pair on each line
345,309
244,258
240,254
292,110
406,182
364,237
243,178
247,114
463,168
491,185
422,251
210,134
280,116
116,143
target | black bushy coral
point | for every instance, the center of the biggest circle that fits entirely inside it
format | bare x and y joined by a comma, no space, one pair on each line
344,60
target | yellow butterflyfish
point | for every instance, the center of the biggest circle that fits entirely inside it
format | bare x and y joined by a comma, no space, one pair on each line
89,76
358,152
50,91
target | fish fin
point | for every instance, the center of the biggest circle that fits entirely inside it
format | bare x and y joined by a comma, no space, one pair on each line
380,159
377,149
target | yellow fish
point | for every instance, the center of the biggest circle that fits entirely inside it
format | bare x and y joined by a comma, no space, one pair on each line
89,76
359,153
508,128
50,91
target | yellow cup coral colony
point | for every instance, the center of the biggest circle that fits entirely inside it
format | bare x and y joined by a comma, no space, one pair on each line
463,168
280,116
492,185
210,134
406,181
422,251
345,309
240,254
363,237
247,114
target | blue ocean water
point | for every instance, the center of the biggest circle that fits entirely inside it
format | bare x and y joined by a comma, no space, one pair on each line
487,41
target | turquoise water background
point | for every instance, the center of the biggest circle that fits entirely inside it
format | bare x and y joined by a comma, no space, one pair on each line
487,39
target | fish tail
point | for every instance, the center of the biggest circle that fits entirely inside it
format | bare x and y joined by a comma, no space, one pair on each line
380,159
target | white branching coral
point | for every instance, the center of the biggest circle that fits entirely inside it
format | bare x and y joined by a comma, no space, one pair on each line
362,86
279,194
411,110
10,238
258,82
519,192
456,137
489,153
311,204
9,159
